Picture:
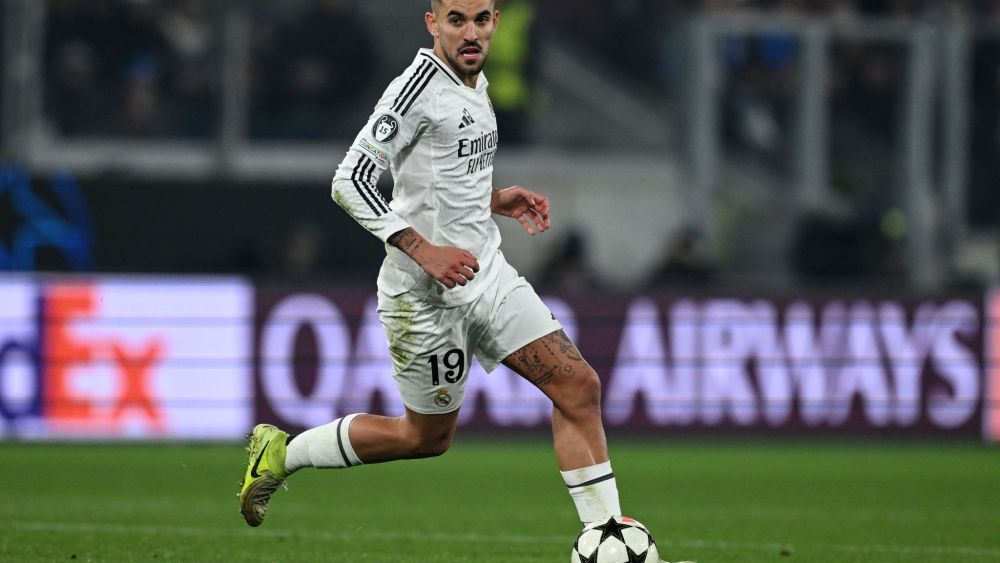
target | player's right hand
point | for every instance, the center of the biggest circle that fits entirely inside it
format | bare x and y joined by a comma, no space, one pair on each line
449,265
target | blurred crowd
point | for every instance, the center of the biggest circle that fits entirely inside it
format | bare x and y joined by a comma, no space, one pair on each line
310,70
153,68
135,68
637,34
863,235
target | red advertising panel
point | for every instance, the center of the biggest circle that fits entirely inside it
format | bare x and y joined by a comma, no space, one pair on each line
124,357
856,364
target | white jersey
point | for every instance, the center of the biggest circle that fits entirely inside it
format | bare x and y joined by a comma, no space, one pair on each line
439,137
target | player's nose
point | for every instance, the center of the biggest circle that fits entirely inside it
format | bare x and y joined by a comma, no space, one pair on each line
471,32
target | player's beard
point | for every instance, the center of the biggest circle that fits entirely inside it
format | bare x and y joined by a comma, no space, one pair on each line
464,71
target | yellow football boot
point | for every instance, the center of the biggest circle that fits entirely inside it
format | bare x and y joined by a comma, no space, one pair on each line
265,472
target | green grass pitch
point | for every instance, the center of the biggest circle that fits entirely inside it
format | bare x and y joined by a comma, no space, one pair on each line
503,501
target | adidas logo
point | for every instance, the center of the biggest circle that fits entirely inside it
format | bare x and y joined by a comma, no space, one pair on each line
466,119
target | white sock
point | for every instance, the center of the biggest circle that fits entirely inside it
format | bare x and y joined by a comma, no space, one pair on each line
324,446
594,492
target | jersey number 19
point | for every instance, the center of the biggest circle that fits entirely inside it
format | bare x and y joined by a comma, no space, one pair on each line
454,363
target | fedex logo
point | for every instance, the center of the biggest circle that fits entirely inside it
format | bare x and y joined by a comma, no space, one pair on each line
95,379
122,358
20,350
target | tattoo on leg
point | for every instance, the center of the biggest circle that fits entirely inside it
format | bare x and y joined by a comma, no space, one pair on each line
545,378
561,347
562,359
566,346
530,363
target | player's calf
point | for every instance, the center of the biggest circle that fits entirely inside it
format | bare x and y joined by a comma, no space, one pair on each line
418,436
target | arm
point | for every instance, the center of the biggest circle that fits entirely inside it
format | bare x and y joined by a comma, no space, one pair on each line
394,125
529,208
448,265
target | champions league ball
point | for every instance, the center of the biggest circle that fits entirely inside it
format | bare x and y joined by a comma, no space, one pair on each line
616,540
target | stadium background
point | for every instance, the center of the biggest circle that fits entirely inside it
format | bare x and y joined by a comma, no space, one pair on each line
775,223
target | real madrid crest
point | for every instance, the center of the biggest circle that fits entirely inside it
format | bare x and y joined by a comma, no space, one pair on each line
442,398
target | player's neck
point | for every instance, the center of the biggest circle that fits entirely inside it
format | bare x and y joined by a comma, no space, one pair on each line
469,80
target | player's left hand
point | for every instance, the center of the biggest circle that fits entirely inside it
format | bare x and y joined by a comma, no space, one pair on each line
529,208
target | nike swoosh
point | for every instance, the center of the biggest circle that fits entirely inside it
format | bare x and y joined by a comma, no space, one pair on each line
256,464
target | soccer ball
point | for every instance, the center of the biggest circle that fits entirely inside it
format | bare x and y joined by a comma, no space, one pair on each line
616,540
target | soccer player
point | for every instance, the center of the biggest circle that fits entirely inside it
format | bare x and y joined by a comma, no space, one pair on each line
445,290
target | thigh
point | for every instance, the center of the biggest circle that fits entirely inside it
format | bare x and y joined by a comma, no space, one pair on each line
553,363
517,318
429,347
433,427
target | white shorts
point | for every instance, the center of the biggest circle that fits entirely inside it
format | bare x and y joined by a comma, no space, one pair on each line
432,347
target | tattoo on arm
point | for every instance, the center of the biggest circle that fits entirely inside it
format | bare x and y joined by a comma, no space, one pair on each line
406,240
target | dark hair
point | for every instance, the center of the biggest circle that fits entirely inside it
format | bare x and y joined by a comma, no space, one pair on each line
437,3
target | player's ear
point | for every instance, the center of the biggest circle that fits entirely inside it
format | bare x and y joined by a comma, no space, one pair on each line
431,22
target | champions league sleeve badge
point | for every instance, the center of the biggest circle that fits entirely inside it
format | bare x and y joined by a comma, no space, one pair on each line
385,129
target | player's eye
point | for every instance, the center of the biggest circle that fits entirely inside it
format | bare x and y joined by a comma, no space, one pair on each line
455,21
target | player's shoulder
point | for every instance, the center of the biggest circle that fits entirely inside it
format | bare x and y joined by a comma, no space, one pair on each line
419,84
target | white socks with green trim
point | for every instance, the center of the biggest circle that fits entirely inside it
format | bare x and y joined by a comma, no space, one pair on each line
594,492
327,446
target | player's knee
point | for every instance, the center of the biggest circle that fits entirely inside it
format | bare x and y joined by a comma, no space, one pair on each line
583,397
432,446
429,444
590,390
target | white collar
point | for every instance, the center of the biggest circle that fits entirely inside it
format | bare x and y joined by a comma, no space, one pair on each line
481,82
